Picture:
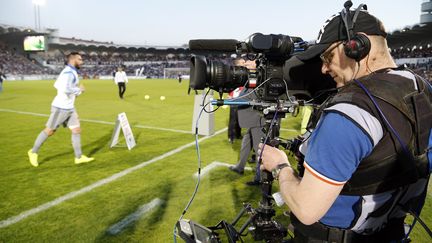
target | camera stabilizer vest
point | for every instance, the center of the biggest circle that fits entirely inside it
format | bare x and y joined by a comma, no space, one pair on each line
409,111
407,105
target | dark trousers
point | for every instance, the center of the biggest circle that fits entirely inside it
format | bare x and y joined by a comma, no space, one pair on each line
234,130
122,89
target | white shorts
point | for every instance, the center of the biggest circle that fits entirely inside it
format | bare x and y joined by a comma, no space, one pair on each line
63,117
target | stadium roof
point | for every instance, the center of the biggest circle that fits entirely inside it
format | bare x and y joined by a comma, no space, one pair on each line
11,33
8,32
11,29
419,34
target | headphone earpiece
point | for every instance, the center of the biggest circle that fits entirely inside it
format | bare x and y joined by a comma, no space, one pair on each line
357,47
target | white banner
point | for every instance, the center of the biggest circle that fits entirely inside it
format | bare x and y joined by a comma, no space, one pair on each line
123,122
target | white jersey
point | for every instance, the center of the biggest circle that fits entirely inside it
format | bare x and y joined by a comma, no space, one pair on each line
67,85
120,77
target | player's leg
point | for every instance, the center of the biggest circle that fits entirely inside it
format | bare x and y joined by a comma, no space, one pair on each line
55,119
41,138
75,127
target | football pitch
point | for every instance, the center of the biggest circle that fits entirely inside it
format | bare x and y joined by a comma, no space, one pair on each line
123,196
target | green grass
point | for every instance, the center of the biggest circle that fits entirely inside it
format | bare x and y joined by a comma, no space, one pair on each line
87,217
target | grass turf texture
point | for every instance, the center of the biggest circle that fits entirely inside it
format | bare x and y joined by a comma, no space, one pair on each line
87,217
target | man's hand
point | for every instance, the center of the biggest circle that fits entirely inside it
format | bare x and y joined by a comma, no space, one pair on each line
82,88
271,157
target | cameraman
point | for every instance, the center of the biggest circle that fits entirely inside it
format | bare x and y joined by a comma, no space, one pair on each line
356,172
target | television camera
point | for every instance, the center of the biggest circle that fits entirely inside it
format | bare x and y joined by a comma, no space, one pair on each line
280,85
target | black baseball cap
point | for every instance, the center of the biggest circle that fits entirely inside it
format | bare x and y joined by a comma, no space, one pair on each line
334,30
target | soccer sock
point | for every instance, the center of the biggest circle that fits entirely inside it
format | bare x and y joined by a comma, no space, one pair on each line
39,141
76,144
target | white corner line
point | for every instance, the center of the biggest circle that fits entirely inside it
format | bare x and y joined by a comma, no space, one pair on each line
142,210
213,165
99,122
57,201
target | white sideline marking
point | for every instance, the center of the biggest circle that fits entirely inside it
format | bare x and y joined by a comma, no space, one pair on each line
144,209
45,206
213,165
98,121
289,130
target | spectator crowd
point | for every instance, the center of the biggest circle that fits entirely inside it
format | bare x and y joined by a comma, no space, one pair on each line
149,64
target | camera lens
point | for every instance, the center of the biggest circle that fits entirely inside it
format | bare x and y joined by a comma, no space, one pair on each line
216,75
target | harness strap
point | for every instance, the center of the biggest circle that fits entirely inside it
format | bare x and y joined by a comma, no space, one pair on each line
320,233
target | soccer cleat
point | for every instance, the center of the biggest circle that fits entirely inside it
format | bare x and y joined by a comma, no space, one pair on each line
33,158
83,159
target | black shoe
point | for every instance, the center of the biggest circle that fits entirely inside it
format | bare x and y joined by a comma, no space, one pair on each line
253,183
253,159
236,170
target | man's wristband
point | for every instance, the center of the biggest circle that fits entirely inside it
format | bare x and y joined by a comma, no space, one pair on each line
277,170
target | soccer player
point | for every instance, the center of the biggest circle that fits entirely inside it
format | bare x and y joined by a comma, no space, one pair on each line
63,110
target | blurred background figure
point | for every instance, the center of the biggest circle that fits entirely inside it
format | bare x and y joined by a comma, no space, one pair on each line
121,80
2,77
251,120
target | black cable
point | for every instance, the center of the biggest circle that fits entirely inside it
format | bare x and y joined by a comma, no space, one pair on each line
209,112
205,96
417,218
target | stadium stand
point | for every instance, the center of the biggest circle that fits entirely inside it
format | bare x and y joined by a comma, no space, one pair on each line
15,64
411,46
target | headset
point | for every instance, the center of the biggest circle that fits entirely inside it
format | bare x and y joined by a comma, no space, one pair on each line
358,45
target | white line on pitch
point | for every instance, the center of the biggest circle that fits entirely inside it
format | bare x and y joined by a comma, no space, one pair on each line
57,201
100,122
213,165
144,209
289,130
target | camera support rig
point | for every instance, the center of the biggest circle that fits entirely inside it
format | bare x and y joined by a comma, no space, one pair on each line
260,223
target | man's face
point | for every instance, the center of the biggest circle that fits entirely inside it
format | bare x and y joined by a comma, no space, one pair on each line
337,64
250,64
77,61
245,63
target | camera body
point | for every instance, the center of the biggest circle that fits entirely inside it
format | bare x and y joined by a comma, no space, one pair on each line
269,53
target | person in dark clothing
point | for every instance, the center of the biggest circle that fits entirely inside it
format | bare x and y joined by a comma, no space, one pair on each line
2,77
121,80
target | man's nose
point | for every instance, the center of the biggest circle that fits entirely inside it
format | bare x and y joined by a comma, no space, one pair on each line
324,68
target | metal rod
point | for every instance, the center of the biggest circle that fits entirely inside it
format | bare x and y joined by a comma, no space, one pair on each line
239,215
